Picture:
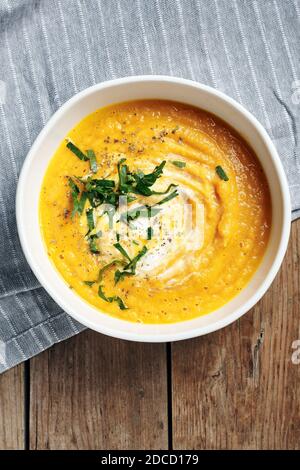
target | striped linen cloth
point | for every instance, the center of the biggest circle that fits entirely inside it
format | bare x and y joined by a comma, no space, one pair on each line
51,49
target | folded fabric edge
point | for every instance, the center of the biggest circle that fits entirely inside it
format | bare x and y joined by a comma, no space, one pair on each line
37,339
11,349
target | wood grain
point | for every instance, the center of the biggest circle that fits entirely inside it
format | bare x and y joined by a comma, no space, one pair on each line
238,388
95,392
12,409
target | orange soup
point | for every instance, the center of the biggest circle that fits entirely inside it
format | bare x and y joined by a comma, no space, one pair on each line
155,211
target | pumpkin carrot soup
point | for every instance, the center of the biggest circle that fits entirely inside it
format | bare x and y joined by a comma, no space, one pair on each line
155,211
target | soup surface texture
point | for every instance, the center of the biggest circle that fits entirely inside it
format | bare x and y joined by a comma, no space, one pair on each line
155,211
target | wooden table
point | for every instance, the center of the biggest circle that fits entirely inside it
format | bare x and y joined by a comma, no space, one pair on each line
237,388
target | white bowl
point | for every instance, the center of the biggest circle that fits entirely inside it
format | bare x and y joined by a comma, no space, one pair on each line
134,88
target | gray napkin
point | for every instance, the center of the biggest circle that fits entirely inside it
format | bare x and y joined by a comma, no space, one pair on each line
51,49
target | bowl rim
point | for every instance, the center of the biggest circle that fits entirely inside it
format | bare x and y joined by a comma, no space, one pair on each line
201,330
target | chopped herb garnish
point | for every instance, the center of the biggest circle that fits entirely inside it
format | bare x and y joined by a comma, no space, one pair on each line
77,151
134,261
144,190
107,193
167,190
99,185
125,177
139,183
143,182
129,269
89,283
149,233
221,173
92,240
120,275
140,211
74,187
93,244
179,164
93,162
78,202
168,198
104,191
119,247
107,266
81,203
90,219
114,298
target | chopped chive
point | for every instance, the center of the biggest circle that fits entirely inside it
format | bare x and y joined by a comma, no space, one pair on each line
120,275
149,233
129,269
133,262
172,185
107,266
114,298
93,245
102,295
89,283
179,164
145,191
221,173
78,203
168,198
74,187
141,211
77,151
99,184
150,179
81,203
90,219
105,192
93,162
119,247
120,302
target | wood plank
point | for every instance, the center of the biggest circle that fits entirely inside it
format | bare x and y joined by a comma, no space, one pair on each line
95,392
12,409
238,388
